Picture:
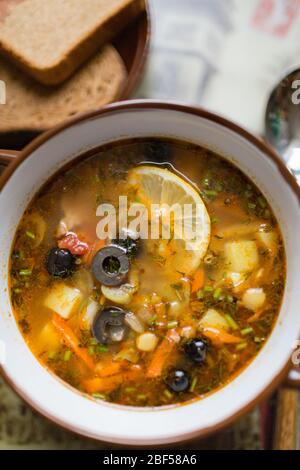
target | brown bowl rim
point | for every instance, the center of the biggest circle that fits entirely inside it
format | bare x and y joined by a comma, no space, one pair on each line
168,106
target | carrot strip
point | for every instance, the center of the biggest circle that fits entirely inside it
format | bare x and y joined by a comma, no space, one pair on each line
109,368
220,337
161,354
94,247
256,316
198,280
72,341
107,384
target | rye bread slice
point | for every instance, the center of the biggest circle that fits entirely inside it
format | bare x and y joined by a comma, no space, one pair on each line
32,106
50,39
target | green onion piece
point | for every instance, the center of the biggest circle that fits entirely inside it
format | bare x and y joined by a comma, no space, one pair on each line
231,322
168,394
129,389
141,397
99,396
262,202
17,290
67,355
200,294
30,234
208,289
91,350
51,354
152,320
247,331
193,384
251,205
241,346
172,324
93,342
217,293
102,348
229,298
25,272
214,220
210,193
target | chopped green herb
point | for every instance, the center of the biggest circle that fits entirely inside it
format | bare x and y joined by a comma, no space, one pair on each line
168,394
52,355
30,234
193,384
67,355
99,396
217,293
200,294
247,331
25,272
241,346
91,350
231,322
172,324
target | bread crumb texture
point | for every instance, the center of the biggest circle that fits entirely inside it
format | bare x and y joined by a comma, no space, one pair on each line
41,33
32,106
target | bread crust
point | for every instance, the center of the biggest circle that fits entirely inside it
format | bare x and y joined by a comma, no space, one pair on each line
61,67
35,107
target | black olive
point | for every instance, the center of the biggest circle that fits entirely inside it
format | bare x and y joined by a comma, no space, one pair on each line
158,151
178,381
109,326
196,350
131,246
60,262
111,265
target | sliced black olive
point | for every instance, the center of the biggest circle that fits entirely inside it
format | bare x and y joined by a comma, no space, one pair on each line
196,350
109,326
111,265
178,381
131,246
60,262
158,151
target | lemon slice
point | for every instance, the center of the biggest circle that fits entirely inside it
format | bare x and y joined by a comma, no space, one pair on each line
190,227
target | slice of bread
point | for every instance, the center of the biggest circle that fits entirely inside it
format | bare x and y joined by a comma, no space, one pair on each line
32,106
50,39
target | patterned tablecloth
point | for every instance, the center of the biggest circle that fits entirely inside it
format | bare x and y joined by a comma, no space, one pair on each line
221,54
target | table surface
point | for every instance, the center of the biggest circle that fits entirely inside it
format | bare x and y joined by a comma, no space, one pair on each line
223,55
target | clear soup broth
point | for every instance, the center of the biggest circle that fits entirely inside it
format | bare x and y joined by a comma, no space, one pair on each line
141,321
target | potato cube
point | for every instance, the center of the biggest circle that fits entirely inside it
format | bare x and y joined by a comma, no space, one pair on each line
49,338
213,319
63,300
268,240
89,313
241,256
253,299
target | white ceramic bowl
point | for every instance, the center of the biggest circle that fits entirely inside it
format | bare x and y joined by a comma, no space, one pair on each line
138,426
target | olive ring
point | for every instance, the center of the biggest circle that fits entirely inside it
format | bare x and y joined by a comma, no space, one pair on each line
111,265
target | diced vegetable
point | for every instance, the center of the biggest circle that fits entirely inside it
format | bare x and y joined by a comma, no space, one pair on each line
71,340
162,353
88,314
213,319
49,337
239,230
134,322
120,295
236,278
108,368
241,256
147,342
268,240
254,298
188,332
107,384
63,300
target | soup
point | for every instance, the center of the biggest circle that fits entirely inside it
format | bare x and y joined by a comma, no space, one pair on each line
146,315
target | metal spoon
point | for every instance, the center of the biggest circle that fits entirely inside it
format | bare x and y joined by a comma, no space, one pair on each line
282,120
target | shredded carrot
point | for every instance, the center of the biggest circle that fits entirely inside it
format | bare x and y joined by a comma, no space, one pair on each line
219,337
94,247
107,384
108,368
71,340
161,354
256,316
198,280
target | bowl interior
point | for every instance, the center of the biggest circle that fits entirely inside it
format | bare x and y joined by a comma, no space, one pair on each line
111,422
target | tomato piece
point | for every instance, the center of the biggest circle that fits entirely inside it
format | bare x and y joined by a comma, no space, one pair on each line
72,243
